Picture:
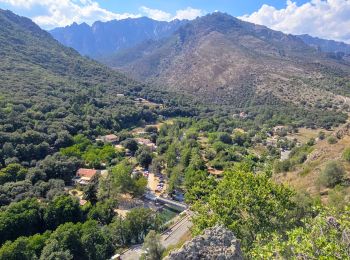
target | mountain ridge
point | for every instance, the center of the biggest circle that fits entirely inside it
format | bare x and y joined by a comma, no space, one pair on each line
104,38
89,40
324,44
227,60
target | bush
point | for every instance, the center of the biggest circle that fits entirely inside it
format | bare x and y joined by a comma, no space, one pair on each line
321,135
225,138
283,166
337,198
311,142
332,140
346,154
332,175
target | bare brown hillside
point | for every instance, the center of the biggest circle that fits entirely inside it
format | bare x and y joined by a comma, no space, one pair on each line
224,60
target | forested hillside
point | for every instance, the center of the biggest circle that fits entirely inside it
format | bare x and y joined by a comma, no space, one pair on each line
93,163
49,93
50,99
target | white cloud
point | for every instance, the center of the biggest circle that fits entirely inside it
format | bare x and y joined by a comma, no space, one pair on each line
57,13
65,12
156,14
188,13
328,19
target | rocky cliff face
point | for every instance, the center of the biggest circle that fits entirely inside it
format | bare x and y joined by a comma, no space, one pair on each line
217,243
325,45
106,38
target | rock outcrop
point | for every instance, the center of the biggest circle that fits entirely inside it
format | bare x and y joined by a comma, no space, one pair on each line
217,243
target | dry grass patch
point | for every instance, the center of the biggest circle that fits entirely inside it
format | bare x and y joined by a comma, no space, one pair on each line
305,134
305,177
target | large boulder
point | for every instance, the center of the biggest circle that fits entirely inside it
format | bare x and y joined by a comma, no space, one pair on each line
217,243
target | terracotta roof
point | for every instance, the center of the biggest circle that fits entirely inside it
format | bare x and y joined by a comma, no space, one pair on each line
86,172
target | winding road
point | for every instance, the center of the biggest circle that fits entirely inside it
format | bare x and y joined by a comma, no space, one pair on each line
170,237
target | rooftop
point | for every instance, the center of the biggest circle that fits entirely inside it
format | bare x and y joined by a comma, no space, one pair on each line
87,173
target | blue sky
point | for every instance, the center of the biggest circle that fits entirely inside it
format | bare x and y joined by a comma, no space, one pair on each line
233,7
328,19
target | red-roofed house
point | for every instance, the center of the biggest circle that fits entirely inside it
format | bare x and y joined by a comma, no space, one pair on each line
84,176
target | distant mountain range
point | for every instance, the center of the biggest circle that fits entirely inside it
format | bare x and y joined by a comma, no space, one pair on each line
217,58
106,38
225,60
103,39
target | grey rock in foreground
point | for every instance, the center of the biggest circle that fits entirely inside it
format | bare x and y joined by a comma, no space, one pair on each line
216,243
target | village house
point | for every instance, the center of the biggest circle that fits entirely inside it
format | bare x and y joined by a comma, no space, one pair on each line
111,138
84,176
146,142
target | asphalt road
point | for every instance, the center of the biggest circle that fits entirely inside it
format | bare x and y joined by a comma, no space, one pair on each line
170,237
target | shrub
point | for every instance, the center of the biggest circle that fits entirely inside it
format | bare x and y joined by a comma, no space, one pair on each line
332,140
225,138
332,175
346,154
311,142
283,166
337,197
321,135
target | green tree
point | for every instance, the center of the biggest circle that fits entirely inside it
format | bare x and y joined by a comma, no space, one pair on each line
144,158
90,191
139,186
121,177
20,219
225,138
18,249
103,212
151,129
152,247
131,145
199,185
66,239
332,175
53,251
248,204
170,156
175,178
26,248
139,222
61,210
12,173
58,166
96,241
321,237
